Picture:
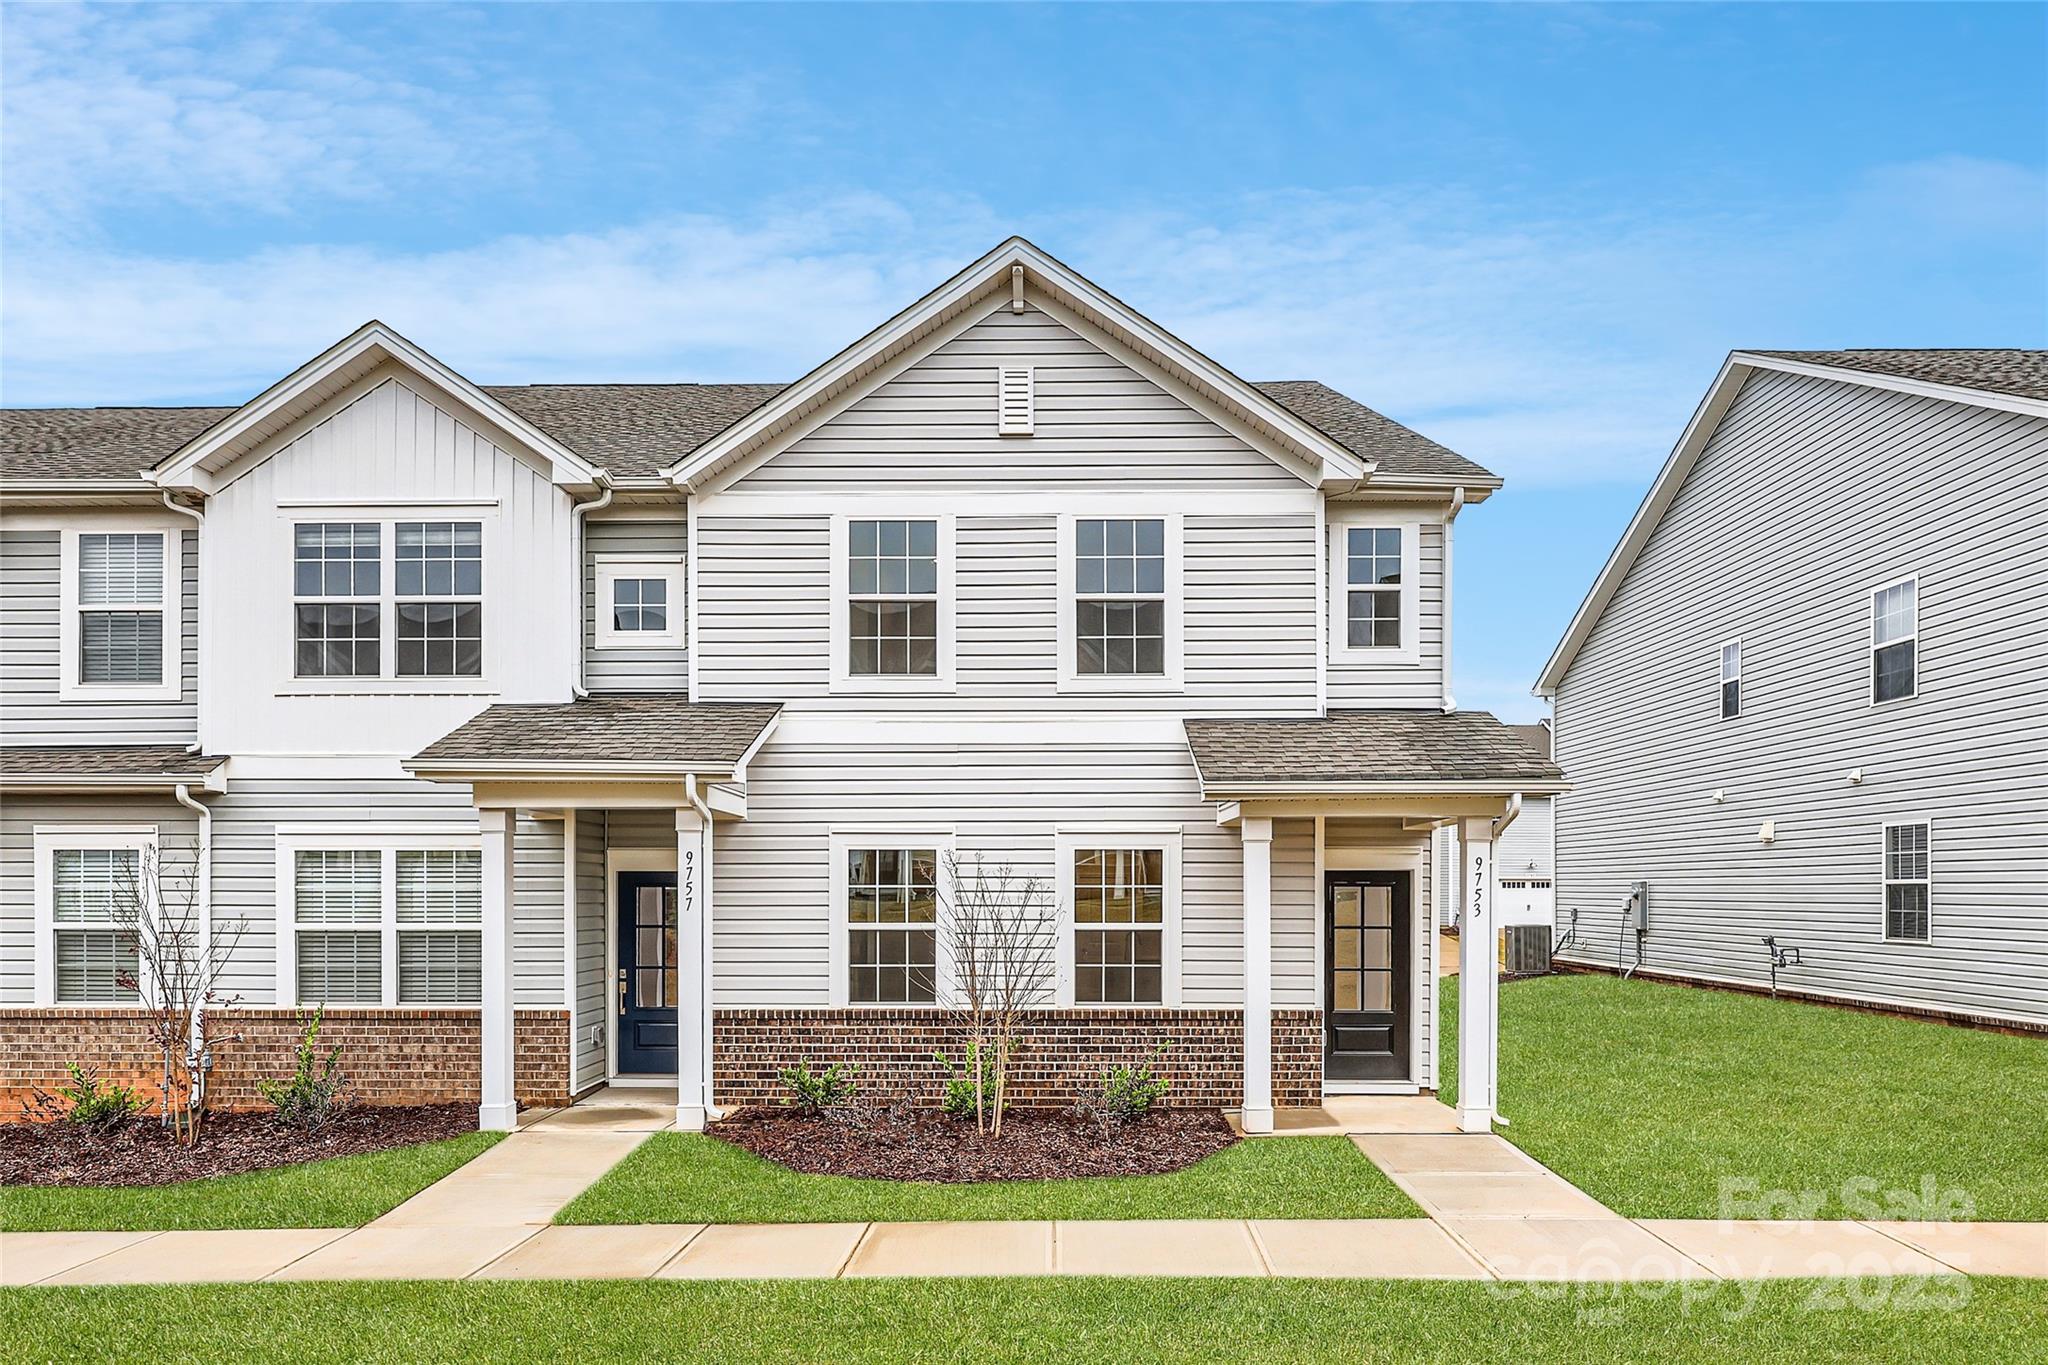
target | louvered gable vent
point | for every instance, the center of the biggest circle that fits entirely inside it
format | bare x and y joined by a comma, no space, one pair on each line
1014,400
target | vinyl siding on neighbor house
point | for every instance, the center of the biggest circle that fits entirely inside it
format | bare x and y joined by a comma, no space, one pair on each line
31,612
1870,486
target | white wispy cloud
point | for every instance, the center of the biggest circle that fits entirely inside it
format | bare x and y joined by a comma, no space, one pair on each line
108,109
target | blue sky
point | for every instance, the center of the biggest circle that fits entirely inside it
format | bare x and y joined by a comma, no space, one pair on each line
1531,232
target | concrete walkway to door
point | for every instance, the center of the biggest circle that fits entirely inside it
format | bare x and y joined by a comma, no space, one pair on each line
1494,1213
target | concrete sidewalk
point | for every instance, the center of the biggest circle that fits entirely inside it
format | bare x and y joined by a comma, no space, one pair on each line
1571,1250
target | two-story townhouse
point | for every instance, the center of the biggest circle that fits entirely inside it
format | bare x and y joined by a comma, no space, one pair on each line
1806,700
559,735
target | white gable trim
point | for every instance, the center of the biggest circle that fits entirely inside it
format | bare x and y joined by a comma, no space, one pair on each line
1706,419
199,465
1189,369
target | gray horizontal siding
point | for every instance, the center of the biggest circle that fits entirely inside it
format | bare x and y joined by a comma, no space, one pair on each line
31,711
1864,487
933,426
1003,803
592,971
1249,616
638,669
1523,850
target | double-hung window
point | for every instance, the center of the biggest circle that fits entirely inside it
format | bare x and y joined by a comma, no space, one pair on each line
376,920
892,916
120,623
1894,641
892,603
336,576
418,614
887,944
439,566
1731,680
1120,603
1907,883
1122,895
1375,592
92,890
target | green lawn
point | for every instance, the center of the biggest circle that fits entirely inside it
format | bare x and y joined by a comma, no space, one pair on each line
1800,1322
345,1192
688,1178
1649,1095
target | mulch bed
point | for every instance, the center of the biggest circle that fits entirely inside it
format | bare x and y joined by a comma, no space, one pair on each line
142,1153
923,1144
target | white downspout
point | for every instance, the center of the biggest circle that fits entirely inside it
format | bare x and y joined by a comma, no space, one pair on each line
199,638
577,514
199,1062
1450,518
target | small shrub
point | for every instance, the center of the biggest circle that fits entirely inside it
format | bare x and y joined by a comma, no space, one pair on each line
91,1104
815,1092
316,1091
962,1100
1131,1092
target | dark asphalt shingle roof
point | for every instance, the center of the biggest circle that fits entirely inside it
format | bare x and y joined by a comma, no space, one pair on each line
662,728
2023,374
1368,434
94,443
1538,735
631,430
1365,747
154,762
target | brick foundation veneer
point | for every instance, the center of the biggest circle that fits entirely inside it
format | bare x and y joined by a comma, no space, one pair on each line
394,1056
1065,1052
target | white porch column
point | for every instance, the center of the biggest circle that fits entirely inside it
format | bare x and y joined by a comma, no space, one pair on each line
693,976
1478,983
499,1110
1257,835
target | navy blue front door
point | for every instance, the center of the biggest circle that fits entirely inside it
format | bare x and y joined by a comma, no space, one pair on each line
646,985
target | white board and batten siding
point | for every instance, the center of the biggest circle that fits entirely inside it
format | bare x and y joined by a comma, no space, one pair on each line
32,710
1865,487
392,453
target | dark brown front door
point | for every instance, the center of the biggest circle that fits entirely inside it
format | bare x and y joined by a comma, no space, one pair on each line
1365,951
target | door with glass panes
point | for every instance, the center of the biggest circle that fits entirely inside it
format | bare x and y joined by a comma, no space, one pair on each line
645,992
1365,952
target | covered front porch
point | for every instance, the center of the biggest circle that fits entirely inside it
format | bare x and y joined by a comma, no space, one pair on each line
638,785
1364,792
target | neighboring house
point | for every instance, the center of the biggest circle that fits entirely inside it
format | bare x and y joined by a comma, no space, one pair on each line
565,734
1807,698
1522,861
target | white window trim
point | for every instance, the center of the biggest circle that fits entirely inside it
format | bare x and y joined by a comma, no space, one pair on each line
841,839
168,688
1067,840
842,679
48,839
1409,651
1870,654
389,681
1885,881
1069,678
613,567
387,842
1722,681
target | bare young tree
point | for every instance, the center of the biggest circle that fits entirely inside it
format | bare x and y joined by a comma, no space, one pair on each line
999,934
180,961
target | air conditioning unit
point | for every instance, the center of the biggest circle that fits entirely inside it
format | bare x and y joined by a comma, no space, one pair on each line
1525,950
